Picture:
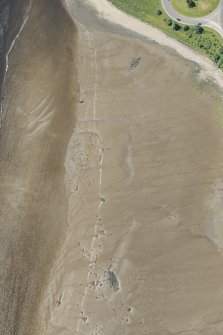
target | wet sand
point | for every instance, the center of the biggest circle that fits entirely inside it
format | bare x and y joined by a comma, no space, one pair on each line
111,185
142,166
38,119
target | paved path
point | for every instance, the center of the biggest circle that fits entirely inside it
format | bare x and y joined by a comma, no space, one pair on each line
213,20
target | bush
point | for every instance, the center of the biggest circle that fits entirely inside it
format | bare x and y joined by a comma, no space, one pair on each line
216,58
159,12
186,28
169,22
176,26
198,30
191,3
220,50
220,61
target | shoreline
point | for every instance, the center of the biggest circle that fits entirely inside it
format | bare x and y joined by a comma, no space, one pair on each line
108,12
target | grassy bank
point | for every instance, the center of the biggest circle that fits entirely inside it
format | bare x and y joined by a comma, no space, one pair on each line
204,40
200,8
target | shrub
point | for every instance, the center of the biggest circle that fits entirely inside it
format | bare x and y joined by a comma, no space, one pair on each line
191,3
169,22
220,61
159,12
186,28
220,50
176,26
216,58
198,30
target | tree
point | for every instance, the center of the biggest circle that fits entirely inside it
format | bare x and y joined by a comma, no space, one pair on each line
176,26
169,22
198,30
159,12
191,3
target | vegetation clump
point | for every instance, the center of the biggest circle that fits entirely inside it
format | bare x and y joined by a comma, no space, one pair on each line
191,3
169,22
220,51
220,62
198,29
176,26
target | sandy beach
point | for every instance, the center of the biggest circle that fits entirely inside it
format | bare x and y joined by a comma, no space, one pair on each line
111,179
143,176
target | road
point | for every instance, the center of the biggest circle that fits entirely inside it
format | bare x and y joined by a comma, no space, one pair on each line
213,20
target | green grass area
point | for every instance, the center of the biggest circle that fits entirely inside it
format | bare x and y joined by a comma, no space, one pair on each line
198,8
204,40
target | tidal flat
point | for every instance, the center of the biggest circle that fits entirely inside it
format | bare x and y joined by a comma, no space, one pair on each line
111,176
